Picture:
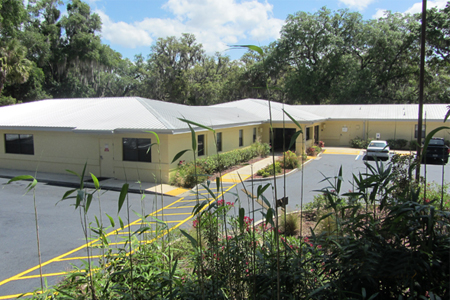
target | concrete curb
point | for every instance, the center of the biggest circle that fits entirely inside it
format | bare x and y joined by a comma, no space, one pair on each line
282,175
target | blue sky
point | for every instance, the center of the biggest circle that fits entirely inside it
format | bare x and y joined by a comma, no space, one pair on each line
132,26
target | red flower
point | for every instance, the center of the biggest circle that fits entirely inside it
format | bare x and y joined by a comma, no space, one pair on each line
195,223
220,202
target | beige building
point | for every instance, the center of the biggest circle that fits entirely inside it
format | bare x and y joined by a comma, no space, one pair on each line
113,135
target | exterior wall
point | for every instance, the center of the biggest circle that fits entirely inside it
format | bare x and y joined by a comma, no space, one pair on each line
339,133
230,141
155,171
54,152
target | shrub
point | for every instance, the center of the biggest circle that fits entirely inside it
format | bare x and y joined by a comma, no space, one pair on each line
402,143
311,151
268,170
289,225
318,149
358,142
185,176
262,149
289,160
413,145
215,163
397,144
321,144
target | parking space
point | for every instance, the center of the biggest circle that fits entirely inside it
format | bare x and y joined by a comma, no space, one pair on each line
302,186
61,237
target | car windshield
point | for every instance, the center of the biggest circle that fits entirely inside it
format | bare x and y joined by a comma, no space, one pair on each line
436,142
377,145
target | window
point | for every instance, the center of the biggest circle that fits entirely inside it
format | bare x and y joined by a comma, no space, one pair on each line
241,138
219,141
136,150
201,144
254,135
416,131
19,144
308,133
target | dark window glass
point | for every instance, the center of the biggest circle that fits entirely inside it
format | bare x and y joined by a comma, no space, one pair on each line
19,144
219,141
416,131
201,144
136,149
308,135
254,135
241,138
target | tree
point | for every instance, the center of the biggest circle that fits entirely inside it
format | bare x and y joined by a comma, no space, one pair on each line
312,51
14,67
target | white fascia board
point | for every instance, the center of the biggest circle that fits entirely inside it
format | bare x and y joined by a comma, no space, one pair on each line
216,127
36,128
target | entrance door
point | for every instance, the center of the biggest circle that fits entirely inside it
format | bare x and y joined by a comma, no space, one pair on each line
278,143
316,134
106,158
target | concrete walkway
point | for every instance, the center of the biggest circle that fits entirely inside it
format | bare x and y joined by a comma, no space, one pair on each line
73,181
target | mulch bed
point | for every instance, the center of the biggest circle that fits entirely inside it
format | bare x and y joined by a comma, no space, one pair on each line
233,168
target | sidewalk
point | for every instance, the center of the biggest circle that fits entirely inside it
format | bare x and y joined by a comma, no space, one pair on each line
72,181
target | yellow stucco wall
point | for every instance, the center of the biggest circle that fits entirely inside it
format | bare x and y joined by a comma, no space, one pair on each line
230,141
339,133
54,152
57,151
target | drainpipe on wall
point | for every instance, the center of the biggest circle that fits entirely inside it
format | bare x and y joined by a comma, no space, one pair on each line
364,129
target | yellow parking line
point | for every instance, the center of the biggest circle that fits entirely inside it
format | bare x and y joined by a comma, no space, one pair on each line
43,275
63,257
176,192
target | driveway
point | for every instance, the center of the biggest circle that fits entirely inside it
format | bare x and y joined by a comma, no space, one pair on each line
301,187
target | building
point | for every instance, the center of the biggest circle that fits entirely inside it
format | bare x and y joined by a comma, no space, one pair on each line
113,135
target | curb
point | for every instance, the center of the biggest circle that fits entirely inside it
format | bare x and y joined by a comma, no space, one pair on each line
282,175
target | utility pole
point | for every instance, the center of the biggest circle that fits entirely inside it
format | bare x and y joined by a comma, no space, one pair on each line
421,79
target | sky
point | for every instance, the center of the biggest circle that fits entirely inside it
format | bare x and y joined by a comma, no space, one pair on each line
131,27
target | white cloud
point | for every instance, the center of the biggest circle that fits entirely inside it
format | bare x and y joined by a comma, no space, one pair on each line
358,4
379,14
417,7
123,34
215,24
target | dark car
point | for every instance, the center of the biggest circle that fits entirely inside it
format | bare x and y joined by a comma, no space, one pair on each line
436,152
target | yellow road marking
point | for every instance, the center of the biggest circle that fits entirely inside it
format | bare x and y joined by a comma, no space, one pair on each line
63,256
176,192
343,152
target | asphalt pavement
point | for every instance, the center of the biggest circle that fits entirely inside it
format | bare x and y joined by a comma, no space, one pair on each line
61,235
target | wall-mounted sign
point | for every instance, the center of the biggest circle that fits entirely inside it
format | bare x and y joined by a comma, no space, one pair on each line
344,129
106,148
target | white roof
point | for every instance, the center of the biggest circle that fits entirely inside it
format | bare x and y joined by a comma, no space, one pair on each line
118,114
261,108
134,114
378,112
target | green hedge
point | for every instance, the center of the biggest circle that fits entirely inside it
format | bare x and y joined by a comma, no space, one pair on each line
185,173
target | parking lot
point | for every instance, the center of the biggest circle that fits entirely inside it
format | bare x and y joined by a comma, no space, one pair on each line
61,236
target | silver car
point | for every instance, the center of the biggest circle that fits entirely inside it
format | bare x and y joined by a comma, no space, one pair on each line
378,149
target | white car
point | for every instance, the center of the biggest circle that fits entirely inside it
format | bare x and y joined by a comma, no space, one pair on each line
378,149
